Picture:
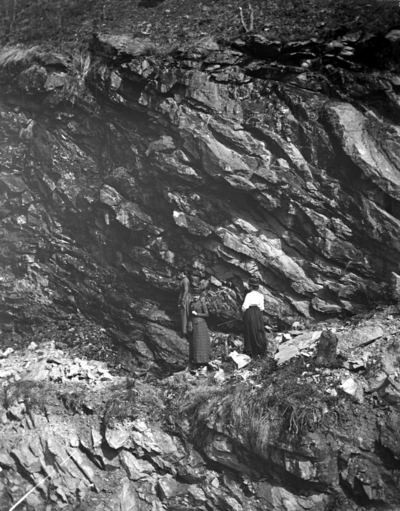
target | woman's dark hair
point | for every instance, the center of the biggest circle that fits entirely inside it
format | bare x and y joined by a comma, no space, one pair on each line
187,270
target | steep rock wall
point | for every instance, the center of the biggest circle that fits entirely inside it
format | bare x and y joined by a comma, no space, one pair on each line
268,159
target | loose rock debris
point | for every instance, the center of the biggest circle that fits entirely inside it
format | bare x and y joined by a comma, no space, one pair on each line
138,455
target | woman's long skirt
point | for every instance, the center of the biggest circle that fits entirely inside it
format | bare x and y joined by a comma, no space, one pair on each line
185,314
255,341
200,346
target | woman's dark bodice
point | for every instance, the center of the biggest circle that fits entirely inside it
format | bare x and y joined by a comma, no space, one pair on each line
202,311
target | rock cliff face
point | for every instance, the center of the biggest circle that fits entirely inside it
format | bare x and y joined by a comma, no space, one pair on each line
121,166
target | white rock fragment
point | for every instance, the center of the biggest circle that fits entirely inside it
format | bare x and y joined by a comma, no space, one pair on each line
219,376
240,360
8,352
74,440
106,377
349,386
96,438
6,373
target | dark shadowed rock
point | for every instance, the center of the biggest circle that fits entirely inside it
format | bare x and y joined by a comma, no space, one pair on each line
169,349
327,349
395,286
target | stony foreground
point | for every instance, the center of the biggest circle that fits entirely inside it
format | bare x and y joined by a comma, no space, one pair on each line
97,441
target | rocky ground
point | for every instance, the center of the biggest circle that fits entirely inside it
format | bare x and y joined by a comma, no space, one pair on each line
313,425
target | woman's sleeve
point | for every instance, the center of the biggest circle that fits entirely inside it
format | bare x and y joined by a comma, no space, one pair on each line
261,304
245,305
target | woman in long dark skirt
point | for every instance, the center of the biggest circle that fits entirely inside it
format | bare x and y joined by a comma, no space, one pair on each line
200,345
255,341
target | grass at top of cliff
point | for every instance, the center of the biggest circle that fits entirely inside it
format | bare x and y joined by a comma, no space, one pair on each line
15,55
69,23
267,406
131,400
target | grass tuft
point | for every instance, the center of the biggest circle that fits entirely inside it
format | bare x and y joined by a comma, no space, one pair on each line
80,67
132,400
269,407
18,55
74,400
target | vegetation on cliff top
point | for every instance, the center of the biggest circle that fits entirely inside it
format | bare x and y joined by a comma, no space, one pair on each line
260,404
69,23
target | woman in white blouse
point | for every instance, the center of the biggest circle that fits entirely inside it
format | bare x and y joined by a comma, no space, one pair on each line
255,341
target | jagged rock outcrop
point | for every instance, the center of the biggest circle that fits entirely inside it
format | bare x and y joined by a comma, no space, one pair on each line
93,442
263,158
301,437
